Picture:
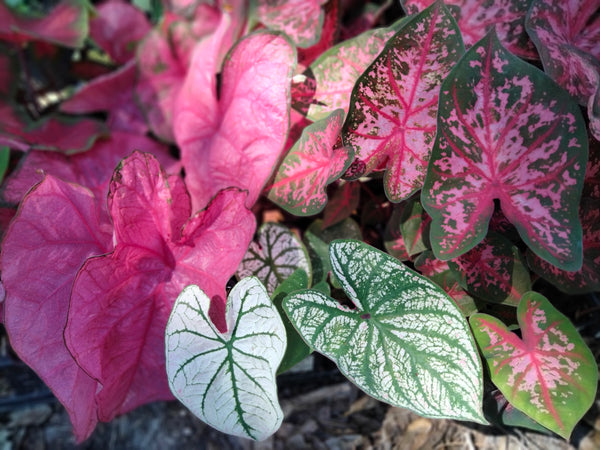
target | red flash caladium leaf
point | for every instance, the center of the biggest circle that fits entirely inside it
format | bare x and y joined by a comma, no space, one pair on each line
493,271
301,20
506,131
56,228
117,28
392,118
476,18
65,24
237,136
123,299
312,163
549,374
586,279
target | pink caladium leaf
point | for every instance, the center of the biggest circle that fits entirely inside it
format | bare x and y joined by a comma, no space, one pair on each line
549,374
476,18
506,131
56,228
342,204
301,20
237,135
586,279
112,93
331,77
65,24
439,272
566,34
123,299
493,271
392,118
92,169
117,28
300,183
56,133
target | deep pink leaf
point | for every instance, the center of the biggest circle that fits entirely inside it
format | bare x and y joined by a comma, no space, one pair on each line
550,374
300,183
392,118
114,94
92,169
343,203
476,18
493,271
123,299
506,131
301,20
65,24
56,228
234,139
117,28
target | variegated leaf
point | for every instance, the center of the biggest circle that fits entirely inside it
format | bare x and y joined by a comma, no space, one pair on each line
550,374
405,343
392,118
506,131
228,379
274,256
312,163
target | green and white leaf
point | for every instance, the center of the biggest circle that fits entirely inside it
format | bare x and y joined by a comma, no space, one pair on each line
405,343
274,256
228,379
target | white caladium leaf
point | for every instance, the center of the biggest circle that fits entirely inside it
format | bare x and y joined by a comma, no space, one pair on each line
274,256
228,379
405,342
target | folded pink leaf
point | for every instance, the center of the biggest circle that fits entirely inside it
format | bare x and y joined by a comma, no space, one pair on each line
235,138
56,228
121,301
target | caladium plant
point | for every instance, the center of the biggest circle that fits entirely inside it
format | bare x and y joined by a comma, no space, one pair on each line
425,134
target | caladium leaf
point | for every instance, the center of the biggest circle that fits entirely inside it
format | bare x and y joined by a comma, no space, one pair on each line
56,228
329,34
296,349
506,131
216,129
228,379
586,279
335,72
392,118
439,272
408,227
301,20
123,299
342,204
498,410
274,256
476,18
117,28
311,164
493,271
405,343
65,24
550,374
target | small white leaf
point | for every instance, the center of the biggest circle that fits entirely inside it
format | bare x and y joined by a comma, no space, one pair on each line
228,379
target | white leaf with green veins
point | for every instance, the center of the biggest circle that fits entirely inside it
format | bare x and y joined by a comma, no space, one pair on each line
277,254
406,342
228,379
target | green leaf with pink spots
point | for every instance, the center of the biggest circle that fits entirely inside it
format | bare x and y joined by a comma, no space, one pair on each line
506,131
312,163
549,374
392,118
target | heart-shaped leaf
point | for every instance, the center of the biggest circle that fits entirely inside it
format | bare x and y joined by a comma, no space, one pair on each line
405,343
311,164
550,374
392,118
228,379
506,131
274,256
